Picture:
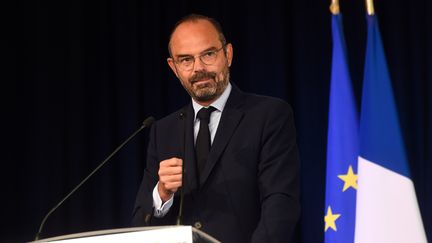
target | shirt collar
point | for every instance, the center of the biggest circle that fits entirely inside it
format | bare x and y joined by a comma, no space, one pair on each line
219,103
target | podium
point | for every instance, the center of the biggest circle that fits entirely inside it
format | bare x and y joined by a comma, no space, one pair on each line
162,234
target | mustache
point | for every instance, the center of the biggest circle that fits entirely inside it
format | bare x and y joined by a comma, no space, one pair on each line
202,75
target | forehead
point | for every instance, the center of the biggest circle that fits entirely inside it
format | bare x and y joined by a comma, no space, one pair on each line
193,37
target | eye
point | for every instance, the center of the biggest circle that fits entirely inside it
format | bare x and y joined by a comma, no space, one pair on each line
185,60
210,54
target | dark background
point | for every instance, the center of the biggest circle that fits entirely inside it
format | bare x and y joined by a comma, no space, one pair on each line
80,76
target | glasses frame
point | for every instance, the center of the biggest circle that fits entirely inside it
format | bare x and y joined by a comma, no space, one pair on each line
199,56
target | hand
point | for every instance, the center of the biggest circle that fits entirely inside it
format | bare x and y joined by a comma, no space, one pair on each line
170,177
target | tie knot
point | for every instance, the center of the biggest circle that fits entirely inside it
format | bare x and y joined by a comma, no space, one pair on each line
204,113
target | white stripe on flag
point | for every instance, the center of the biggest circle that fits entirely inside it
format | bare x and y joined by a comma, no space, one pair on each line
387,209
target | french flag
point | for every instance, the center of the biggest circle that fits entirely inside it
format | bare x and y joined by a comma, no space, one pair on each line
386,207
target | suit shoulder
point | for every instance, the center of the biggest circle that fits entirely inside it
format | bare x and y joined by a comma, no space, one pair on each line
267,103
173,117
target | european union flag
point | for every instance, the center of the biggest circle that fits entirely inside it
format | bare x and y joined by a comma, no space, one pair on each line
387,210
342,146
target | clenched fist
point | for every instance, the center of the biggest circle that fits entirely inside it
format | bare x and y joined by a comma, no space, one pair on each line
170,177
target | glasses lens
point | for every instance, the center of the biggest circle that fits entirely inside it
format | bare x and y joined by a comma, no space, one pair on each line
209,58
185,63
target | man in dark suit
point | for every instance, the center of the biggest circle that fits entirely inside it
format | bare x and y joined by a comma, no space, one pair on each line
239,152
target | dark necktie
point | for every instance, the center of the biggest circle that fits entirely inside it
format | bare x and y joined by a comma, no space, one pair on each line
202,146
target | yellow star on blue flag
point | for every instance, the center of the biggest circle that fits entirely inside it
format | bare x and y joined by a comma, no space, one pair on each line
330,219
350,179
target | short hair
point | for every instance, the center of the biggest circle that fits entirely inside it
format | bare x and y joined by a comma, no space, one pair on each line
195,18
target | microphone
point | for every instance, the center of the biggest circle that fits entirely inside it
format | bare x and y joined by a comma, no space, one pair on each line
180,212
146,123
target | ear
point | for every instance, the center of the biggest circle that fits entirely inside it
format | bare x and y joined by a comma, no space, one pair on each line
229,53
172,66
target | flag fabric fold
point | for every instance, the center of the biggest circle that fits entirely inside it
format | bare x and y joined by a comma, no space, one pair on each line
342,146
386,208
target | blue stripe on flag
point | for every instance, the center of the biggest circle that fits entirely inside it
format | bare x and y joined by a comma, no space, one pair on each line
381,139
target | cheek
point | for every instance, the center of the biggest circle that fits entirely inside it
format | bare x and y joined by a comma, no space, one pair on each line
223,72
220,76
184,79
184,82
222,68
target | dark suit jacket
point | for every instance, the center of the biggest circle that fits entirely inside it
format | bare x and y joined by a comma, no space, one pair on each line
249,188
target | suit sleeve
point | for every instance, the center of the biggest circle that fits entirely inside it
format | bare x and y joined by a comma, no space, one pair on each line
278,177
143,209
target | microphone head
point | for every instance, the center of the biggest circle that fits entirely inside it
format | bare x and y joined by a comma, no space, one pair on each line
148,122
182,114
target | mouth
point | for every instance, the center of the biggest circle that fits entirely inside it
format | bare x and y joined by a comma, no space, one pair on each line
204,80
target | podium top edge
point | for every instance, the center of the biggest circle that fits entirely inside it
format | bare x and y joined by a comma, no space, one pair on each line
110,231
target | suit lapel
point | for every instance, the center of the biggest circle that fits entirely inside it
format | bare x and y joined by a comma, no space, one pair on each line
231,117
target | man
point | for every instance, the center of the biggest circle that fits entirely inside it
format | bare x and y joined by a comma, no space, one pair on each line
245,187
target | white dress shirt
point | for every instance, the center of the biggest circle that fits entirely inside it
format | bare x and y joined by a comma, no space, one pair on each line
162,209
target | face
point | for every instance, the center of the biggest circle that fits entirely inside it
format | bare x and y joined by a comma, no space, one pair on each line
204,83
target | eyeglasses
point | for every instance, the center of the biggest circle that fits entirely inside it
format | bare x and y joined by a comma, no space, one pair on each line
186,63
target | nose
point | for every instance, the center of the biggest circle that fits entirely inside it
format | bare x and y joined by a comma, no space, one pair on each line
198,65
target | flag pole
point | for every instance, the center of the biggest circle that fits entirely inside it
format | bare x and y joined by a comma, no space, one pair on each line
370,7
334,7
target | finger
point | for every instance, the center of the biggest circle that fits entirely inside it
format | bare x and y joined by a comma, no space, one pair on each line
171,162
171,178
173,186
169,171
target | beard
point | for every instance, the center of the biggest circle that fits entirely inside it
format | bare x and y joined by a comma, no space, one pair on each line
210,90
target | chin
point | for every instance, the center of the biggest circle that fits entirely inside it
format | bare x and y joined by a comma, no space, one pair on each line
205,95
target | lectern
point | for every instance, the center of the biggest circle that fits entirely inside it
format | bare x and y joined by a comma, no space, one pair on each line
163,234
